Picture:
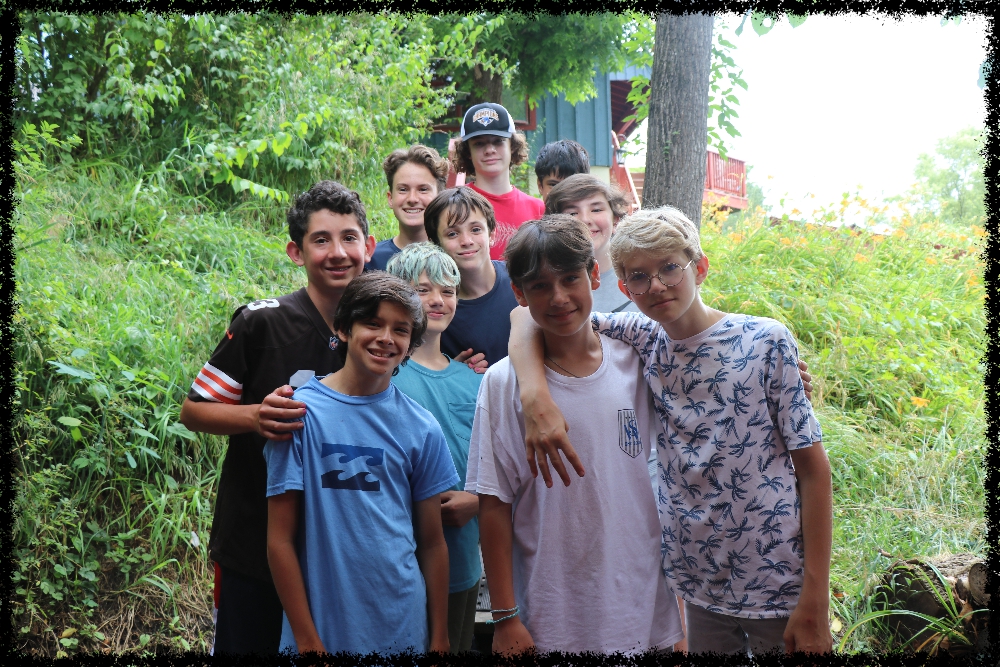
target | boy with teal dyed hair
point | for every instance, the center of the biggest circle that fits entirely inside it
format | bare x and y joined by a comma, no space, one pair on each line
447,389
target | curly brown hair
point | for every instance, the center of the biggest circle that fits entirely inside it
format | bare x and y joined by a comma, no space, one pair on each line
518,154
425,156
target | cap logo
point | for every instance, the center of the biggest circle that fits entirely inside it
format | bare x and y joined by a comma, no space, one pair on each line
485,116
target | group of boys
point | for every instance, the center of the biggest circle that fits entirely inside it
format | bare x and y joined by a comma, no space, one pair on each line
350,513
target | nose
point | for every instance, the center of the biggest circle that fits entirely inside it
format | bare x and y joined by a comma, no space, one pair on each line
337,249
559,295
434,298
385,335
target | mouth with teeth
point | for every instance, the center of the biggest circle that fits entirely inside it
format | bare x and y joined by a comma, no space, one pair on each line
380,354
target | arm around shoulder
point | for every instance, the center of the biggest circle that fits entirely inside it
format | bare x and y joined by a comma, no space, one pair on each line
268,419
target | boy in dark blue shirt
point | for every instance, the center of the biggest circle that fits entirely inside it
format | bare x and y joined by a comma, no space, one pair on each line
461,221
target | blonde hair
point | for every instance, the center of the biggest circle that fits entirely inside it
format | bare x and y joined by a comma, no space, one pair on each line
654,231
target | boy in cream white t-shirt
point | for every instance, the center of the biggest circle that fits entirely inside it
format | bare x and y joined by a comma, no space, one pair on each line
576,568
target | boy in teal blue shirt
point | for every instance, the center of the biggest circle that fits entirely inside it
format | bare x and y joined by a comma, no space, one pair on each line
448,390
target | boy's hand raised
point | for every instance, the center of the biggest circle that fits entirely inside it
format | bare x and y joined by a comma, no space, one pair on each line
272,415
545,433
476,361
458,507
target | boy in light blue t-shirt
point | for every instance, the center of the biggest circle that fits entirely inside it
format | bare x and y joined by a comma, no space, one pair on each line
448,389
354,537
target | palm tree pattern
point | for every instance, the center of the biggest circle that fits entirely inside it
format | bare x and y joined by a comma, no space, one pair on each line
732,404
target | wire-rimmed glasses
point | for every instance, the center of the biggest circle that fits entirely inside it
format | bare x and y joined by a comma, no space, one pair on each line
669,275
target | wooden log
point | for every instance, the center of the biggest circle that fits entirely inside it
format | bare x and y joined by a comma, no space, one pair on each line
977,584
950,588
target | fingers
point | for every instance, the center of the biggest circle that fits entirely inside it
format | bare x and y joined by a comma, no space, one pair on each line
543,467
464,355
531,463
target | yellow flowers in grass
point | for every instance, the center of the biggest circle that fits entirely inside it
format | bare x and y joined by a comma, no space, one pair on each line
919,402
860,258
785,240
931,260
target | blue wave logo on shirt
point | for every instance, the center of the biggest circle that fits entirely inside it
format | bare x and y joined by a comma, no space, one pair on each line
353,467
628,433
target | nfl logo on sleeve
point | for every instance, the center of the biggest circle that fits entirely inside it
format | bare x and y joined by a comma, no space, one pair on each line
628,433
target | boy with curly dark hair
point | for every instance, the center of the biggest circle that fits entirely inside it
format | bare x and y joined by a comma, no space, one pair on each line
244,390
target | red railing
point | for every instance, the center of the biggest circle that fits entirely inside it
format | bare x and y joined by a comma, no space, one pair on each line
726,181
621,176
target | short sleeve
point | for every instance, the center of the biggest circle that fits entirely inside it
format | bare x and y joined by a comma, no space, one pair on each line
487,473
221,379
284,465
635,329
790,410
434,471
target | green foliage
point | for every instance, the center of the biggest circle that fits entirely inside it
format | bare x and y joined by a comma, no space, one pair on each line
725,77
536,54
254,106
950,184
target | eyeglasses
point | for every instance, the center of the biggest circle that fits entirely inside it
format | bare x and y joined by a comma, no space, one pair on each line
669,275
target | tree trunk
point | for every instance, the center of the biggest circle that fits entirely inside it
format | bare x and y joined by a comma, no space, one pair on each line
489,87
677,138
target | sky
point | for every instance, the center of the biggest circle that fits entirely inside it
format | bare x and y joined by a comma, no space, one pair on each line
849,101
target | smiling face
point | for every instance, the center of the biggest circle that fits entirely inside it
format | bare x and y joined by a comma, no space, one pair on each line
595,212
413,188
468,243
439,303
490,155
376,345
559,303
670,306
334,251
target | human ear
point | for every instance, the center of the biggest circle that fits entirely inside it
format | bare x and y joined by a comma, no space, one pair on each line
369,248
595,277
519,295
294,253
624,290
701,270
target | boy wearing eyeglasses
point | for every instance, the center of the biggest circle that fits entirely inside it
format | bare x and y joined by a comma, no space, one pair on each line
744,485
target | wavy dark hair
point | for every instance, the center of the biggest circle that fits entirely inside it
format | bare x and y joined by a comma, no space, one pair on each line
562,159
361,301
558,241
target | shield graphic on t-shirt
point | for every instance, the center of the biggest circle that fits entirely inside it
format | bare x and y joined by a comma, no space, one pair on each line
628,433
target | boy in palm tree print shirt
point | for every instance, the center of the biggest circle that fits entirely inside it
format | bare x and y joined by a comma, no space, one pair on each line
743,481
